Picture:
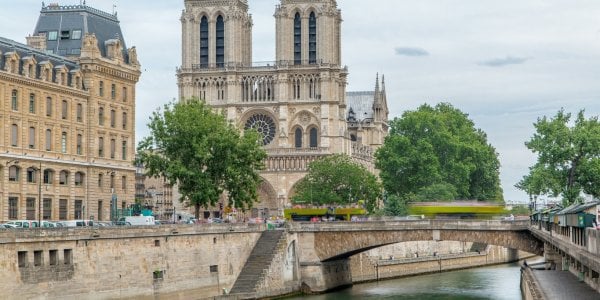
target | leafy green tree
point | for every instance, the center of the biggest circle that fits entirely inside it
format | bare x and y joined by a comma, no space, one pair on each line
568,160
336,179
395,206
197,149
437,153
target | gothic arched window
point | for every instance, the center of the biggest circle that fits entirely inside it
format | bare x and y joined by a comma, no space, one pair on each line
313,138
220,35
297,39
298,138
312,38
204,42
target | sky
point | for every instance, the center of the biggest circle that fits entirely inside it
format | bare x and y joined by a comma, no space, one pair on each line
504,63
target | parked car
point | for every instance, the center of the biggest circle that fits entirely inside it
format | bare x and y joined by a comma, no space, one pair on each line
24,223
121,223
77,223
4,226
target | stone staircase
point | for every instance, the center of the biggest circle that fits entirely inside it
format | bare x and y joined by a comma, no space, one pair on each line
258,263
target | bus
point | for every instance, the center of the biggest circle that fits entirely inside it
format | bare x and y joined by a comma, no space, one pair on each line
457,209
329,213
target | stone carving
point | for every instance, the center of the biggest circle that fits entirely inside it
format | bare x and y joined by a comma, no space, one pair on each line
304,118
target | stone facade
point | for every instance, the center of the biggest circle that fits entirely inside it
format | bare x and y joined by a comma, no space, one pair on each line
297,102
67,118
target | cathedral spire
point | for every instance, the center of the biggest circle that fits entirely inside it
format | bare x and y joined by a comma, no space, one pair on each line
383,83
377,84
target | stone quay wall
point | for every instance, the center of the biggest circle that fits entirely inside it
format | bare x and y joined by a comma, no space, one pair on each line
175,262
369,267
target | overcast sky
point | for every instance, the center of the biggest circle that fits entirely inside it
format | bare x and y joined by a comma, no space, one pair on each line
505,63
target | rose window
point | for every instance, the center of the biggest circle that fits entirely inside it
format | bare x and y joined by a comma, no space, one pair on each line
264,125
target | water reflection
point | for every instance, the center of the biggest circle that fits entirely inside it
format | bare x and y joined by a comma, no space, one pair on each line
498,283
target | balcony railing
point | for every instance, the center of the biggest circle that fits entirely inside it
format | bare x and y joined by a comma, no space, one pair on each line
266,65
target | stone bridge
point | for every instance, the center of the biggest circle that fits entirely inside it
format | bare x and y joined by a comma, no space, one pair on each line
324,248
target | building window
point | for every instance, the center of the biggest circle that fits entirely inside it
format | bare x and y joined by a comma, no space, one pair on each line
63,142
101,116
297,39
13,173
101,89
100,180
298,138
79,177
204,42
63,178
48,140
112,181
47,213
14,100
113,118
52,35
113,146
76,34
48,176
312,38
48,106
65,109
313,138
32,103
38,258
124,183
30,208
13,208
22,258
124,121
78,212
220,41
14,135
31,137
101,147
53,257
65,35
79,112
124,150
124,96
31,175
113,91
100,215
79,144
62,209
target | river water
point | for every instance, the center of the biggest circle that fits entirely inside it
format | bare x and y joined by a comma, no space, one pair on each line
496,282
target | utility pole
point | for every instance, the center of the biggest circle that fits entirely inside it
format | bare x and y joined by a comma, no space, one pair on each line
40,196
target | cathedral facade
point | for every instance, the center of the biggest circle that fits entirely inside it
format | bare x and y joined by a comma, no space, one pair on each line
298,102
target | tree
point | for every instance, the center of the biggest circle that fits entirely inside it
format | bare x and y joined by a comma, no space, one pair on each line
336,179
568,161
437,153
203,154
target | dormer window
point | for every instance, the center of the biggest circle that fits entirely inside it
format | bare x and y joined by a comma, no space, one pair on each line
76,35
52,35
65,35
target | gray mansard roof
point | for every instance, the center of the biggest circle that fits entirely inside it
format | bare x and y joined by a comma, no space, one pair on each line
8,46
65,20
360,105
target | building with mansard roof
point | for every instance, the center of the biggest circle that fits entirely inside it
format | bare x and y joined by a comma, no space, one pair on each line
298,101
67,114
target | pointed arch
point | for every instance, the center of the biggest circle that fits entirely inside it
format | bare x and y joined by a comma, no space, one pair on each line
313,133
298,137
297,39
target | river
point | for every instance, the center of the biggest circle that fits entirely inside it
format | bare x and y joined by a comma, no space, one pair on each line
496,282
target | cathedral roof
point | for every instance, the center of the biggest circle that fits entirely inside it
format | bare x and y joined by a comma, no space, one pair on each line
65,26
360,105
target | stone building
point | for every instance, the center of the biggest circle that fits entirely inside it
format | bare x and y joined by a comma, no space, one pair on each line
67,114
298,102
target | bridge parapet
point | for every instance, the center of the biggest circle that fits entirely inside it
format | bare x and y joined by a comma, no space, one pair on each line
479,225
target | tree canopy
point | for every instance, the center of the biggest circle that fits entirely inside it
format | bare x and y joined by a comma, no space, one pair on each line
336,179
436,153
205,155
568,161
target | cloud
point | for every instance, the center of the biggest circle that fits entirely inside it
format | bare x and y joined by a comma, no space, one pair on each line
411,51
501,62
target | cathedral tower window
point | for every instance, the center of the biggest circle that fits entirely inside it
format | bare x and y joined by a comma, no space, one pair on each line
204,42
220,42
312,39
314,143
297,39
298,138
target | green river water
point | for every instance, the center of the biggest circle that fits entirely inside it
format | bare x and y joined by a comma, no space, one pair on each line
496,282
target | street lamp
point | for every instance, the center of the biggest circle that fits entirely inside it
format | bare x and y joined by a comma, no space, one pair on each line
39,193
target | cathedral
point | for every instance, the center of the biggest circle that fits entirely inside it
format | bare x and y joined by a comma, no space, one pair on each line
298,102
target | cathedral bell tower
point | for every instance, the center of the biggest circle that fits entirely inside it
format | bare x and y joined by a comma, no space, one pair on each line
216,33
308,32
